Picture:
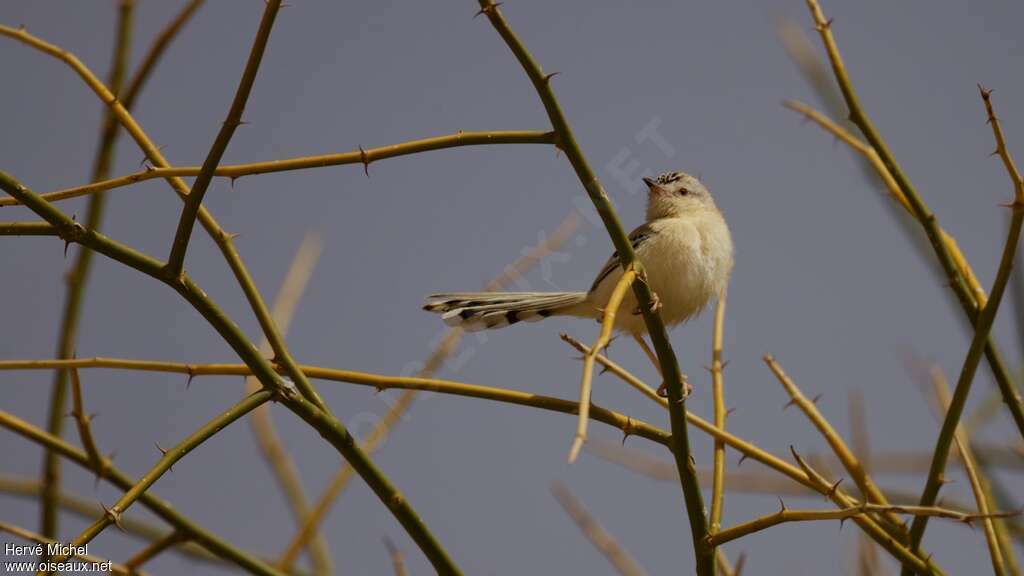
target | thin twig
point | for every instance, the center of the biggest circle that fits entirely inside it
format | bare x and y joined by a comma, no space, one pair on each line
153,550
82,420
260,421
40,539
803,475
867,553
982,330
112,515
786,515
918,561
972,301
219,235
667,360
721,412
397,562
155,53
846,456
176,260
872,157
625,423
158,506
88,509
963,446
617,556
27,229
329,427
78,274
603,338
362,157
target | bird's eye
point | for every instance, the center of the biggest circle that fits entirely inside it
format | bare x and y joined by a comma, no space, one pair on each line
682,191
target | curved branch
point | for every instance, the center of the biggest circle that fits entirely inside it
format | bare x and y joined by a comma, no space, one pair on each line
655,327
364,157
329,427
176,260
158,506
626,424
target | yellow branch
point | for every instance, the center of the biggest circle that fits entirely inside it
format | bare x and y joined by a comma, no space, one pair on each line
607,324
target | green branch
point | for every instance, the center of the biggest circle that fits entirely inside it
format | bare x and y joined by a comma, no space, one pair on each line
77,276
328,426
922,213
112,515
27,229
566,140
176,261
628,425
982,330
218,234
158,506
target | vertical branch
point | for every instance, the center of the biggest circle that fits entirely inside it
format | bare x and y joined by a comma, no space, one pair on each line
718,395
982,330
671,373
867,554
176,261
607,323
77,276
963,447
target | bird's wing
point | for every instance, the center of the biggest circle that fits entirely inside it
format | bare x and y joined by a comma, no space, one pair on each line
636,238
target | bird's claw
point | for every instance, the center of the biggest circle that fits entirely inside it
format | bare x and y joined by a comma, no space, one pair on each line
654,306
687,389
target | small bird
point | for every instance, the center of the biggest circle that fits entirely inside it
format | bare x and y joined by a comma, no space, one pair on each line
685,247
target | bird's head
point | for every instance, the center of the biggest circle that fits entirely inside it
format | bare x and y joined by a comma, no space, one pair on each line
674,194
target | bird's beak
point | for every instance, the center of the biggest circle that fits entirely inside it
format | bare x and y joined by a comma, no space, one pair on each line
652,185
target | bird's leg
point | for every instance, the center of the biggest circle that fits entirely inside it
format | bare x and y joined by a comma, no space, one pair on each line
654,307
653,360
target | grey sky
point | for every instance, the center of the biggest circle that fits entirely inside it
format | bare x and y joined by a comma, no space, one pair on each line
824,278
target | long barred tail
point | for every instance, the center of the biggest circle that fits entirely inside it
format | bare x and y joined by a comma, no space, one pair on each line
485,310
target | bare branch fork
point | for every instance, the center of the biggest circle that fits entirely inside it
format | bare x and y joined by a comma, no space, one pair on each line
803,474
329,427
971,300
222,238
176,260
158,506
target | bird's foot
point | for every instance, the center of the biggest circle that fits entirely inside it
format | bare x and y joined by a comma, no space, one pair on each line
663,390
654,307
